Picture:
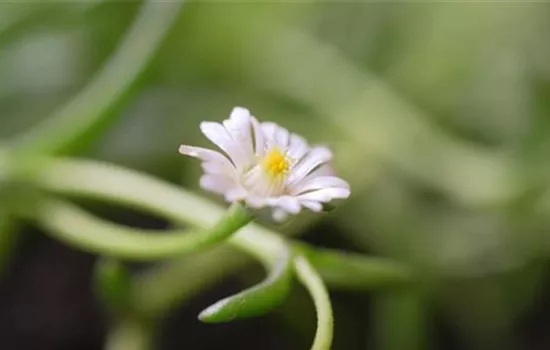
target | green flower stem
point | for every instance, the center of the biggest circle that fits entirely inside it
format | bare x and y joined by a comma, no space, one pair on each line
314,284
102,181
257,300
97,180
72,225
91,110
107,182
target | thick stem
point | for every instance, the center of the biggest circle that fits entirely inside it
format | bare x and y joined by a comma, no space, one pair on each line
72,225
316,288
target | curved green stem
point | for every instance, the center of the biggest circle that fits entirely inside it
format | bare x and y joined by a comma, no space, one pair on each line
257,300
70,224
90,110
98,180
164,287
313,283
108,182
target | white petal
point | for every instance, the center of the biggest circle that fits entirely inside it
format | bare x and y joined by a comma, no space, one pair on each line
217,169
258,182
312,205
282,137
255,201
316,157
323,170
310,183
238,126
275,135
259,141
240,113
268,131
208,156
202,153
287,203
219,135
297,148
279,215
325,195
216,183
235,194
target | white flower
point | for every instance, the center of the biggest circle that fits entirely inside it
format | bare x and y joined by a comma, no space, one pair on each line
265,165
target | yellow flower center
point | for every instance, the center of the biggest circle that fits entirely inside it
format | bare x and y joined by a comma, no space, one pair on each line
276,163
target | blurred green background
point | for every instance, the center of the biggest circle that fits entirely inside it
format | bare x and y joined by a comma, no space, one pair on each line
438,114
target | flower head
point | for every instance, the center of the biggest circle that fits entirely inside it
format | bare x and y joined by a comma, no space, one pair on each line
264,165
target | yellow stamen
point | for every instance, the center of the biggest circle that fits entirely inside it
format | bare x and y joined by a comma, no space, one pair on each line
276,163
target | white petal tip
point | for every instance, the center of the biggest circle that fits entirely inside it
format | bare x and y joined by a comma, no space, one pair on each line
279,216
239,113
313,206
234,195
345,193
186,150
206,125
240,110
337,193
325,152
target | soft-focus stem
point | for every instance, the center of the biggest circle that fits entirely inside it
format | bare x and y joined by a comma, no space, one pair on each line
91,179
130,334
97,180
74,226
91,109
316,288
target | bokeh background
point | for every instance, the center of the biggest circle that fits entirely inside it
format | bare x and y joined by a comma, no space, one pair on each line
439,116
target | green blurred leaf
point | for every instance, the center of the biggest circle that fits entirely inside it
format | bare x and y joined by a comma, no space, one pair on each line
357,272
401,320
92,110
113,284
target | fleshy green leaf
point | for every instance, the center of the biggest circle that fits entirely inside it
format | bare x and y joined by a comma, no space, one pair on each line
255,301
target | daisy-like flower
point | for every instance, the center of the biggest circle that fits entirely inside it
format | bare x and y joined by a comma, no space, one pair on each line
262,164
